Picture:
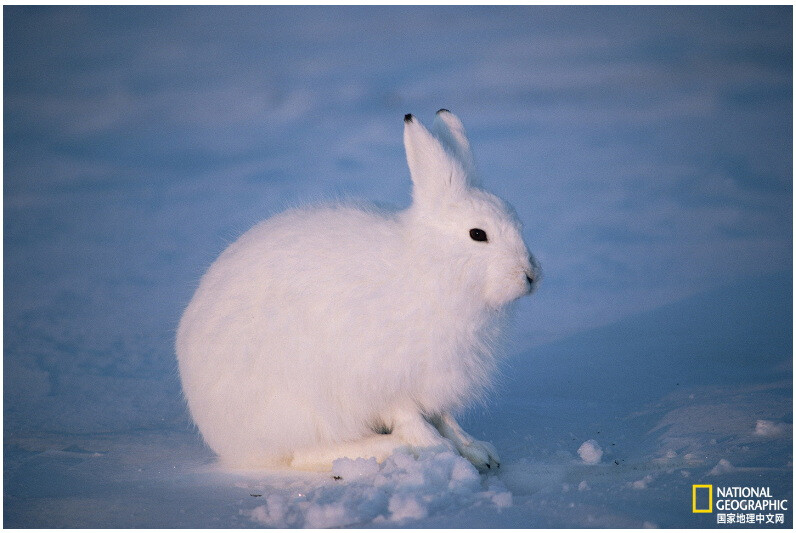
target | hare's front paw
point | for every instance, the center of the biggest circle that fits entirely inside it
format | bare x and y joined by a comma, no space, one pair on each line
482,454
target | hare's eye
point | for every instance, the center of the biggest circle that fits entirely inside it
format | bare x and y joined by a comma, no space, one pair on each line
477,234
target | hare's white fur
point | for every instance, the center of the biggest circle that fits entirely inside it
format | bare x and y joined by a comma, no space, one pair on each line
351,331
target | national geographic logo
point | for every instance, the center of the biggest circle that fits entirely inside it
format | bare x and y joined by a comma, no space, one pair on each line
739,505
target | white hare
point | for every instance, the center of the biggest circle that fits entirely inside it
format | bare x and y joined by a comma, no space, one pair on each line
350,331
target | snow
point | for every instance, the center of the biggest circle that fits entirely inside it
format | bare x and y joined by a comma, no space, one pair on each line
401,489
590,452
772,429
722,467
642,483
647,150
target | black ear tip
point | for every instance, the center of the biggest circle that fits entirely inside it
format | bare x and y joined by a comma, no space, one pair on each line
408,117
443,110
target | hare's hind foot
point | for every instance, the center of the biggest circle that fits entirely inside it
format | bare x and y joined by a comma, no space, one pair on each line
482,454
409,432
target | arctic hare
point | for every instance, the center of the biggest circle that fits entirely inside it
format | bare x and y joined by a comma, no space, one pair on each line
350,331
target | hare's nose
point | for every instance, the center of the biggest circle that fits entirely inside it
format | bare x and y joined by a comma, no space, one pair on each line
531,279
533,274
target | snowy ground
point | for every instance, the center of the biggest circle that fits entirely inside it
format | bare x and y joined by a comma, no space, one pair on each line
648,152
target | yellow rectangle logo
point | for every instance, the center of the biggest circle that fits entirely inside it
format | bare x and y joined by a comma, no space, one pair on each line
698,498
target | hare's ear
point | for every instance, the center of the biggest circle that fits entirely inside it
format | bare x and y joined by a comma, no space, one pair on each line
450,131
435,174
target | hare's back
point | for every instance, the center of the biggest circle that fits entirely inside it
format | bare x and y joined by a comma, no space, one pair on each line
310,253
316,240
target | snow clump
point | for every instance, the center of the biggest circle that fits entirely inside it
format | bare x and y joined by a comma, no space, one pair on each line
401,489
642,483
722,467
590,452
771,429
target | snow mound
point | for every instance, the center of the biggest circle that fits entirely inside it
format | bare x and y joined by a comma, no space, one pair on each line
771,429
722,467
590,452
642,483
401,489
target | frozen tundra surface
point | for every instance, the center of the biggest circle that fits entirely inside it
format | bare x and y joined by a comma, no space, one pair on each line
722,421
